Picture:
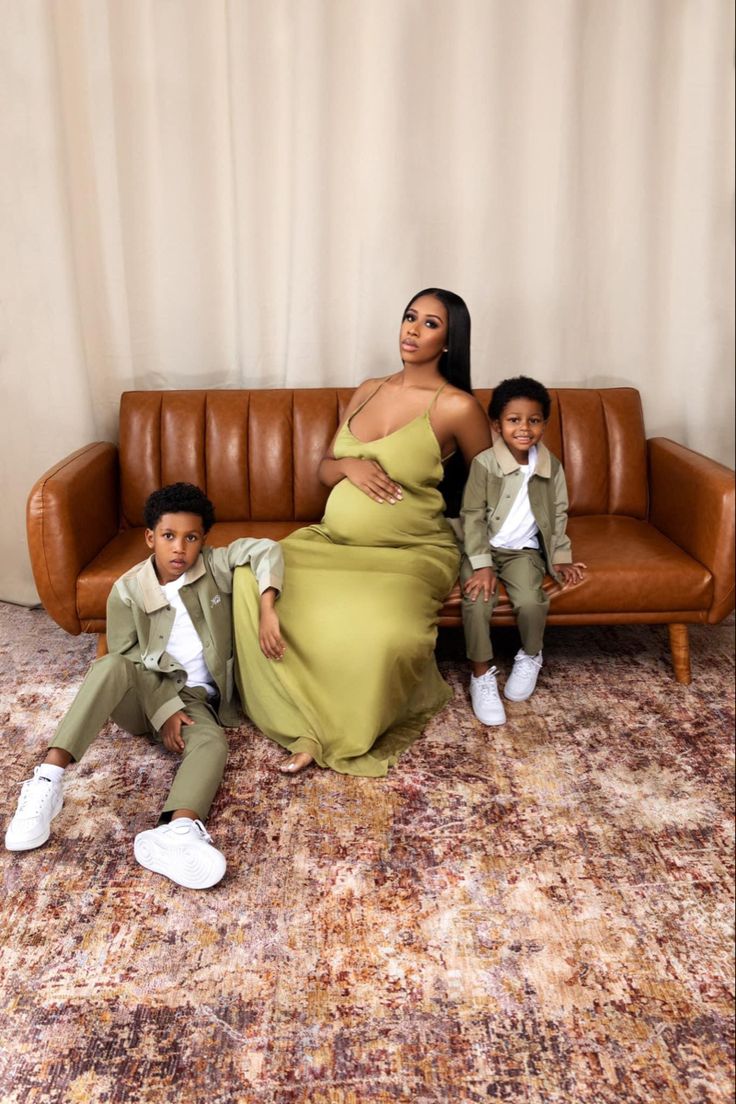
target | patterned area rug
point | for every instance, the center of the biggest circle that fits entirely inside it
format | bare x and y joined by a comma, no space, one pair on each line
539,913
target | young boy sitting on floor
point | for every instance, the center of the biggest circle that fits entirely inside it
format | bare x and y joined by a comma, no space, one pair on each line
168,674
514,519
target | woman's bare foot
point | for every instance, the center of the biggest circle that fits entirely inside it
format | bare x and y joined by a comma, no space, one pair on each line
295,764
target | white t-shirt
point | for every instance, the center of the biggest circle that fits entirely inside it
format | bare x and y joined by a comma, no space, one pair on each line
184,644
519,530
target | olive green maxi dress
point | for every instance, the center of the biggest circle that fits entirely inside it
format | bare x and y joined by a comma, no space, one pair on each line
358,613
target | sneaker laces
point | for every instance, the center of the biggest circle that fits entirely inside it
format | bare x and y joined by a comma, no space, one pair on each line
196,825
488,687
34,796
527,664
202,831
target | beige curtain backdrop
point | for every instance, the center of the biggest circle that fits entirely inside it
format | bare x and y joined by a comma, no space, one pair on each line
246,192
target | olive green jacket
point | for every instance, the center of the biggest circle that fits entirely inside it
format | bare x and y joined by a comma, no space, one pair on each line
493,484
140,620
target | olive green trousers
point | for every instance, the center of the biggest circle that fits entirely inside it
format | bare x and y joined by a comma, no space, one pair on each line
522,573
114,689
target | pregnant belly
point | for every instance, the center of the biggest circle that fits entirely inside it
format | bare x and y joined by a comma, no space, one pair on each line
353,518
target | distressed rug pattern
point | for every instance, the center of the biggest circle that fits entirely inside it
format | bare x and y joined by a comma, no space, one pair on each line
539,913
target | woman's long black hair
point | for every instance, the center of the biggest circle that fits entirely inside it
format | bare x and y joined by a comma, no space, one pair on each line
454,365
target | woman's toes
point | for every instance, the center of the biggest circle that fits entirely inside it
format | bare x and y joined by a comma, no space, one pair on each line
296,763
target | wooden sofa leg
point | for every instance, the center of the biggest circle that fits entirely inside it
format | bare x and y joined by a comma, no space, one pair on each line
101,645
680,651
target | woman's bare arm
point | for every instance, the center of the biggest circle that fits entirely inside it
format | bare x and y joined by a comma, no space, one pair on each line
462,423
474,431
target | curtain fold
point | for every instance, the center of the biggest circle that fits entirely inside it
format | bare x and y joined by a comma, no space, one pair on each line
232,193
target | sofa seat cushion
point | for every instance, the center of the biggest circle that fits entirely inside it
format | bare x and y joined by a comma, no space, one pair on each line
632,569
129,547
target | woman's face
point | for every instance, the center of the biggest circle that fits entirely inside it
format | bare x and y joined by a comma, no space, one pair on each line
423,335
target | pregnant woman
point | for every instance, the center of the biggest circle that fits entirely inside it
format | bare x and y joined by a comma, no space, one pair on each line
358,680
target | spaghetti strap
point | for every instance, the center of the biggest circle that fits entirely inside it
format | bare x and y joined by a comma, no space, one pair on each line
367,399
435,397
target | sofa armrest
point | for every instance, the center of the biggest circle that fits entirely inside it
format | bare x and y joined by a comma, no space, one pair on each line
71,515
692,503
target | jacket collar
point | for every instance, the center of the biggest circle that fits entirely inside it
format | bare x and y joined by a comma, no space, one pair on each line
151,589
508,464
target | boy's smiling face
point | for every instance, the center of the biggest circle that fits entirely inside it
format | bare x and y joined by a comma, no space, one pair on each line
176,541
521,425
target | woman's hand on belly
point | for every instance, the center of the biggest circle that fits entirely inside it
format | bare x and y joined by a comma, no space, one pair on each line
370,478
356,517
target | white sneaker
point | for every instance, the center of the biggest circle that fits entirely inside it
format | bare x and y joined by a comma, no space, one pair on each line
487,704
183,851
39,802
523,678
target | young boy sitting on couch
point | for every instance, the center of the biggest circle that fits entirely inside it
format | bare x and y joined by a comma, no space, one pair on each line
169,673
514,517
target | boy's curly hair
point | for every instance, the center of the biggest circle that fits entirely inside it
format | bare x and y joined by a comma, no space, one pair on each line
178,498
519,387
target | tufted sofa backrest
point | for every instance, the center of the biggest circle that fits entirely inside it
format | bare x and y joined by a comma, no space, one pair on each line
256,452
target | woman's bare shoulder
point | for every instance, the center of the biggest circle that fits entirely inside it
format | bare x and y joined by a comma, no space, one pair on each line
367,386
363,391
375,380
467,422
372,381
460,402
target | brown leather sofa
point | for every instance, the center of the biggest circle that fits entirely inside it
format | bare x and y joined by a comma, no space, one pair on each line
653,521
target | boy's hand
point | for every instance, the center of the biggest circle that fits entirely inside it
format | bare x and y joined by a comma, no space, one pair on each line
269,630
482,581
171,731
269,635
571,573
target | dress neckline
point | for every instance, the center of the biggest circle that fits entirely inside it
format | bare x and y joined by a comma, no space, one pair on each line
385,436
376,440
